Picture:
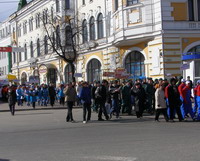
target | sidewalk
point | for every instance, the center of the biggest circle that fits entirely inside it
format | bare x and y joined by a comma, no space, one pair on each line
5,108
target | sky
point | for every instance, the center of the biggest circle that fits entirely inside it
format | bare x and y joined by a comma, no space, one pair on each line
7,7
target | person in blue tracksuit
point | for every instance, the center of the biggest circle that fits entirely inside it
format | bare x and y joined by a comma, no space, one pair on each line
39,96
19,95
45,95
61,95
33,96
27,96
187,103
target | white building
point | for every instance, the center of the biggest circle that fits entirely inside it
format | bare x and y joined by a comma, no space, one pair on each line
5,41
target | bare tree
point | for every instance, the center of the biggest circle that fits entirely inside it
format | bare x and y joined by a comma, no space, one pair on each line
62,36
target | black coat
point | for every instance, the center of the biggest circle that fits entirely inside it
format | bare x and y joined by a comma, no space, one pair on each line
52,92
140,96
12,97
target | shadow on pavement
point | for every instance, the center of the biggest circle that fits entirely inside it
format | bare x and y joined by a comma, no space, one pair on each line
4,160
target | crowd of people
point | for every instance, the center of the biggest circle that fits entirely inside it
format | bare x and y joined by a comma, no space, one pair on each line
113,98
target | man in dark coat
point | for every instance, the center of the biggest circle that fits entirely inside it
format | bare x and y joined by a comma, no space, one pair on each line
140,97
173,99
52,94
12,99
101,97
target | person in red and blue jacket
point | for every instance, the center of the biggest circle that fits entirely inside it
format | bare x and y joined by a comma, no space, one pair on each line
195,108
180,89
187,103
198,100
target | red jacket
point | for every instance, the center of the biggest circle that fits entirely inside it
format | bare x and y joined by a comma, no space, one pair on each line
180,89
195,90
198,90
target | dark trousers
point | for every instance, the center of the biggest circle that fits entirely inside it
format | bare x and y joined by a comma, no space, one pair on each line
115,107
69,113
163,111
62,101
102,109
33,104
178,111
86,109
12,109
140,110
52,100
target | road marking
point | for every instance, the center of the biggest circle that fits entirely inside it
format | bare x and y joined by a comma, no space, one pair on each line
112,158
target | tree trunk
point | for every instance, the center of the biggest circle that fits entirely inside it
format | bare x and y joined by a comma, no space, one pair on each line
73,71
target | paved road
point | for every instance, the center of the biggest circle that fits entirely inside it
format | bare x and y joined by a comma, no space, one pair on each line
43,135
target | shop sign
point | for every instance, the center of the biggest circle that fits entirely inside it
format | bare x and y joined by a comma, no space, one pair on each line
77,75
5,49
43,69
108,74
185,66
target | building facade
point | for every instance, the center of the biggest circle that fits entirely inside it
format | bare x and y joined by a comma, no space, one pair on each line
141,38
38,63
147,38
5,41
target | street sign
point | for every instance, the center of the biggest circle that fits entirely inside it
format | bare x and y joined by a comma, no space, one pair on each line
185,66
5,49
109,74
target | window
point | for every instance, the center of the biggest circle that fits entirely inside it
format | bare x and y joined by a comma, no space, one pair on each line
94,70
25,27
67,4
116,5
100,26
20,56
68,74
25,52
68,33
57,6
37,20
31,24
83,2
45,16
14,57
57,37
134,64
45,45
131,2
194,10
92,29
31,49
54,41
52,14
84,31
19,30
38,47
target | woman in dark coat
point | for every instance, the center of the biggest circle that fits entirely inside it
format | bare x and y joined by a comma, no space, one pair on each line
12,99
139,94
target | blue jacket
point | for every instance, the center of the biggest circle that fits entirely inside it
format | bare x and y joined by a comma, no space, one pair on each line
85,95
19,94
33,96
61,93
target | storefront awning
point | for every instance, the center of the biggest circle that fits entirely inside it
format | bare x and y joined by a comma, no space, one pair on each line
8,77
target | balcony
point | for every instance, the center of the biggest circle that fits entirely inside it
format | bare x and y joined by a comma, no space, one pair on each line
190,56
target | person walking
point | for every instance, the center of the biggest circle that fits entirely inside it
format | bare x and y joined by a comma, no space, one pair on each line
160,103
187,103
140,97
115,92
70,98
173,100
52,94
85,97
180,89
198,100
61,95
45,95
19,95
12,99
101,97
33,96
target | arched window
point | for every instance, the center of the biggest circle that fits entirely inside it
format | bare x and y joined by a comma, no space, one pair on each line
68,74
45,45
25,52
68,34
85,32
57,36
92,29
134,64
38,47
94,70
31,49
100,26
